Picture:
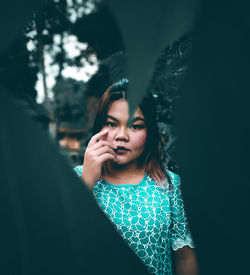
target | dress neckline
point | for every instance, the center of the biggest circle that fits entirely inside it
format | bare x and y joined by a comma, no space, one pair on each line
124,185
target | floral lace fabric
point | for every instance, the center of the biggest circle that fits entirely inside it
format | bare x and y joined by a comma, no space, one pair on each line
150,219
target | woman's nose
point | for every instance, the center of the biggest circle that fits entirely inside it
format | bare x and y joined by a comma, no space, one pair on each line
122,134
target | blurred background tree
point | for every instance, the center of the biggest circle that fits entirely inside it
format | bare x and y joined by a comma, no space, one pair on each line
67,57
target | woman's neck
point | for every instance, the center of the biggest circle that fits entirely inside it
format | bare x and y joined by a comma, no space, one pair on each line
124,171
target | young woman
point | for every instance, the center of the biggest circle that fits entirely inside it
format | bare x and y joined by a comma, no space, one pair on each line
123,168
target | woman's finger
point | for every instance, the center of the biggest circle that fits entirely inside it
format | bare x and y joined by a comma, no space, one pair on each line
104,150
97,137
106,156
102,143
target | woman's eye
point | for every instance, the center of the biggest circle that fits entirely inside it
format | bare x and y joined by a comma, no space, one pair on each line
110,124
137,126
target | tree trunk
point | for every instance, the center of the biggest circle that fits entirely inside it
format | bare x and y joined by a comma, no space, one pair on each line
43,71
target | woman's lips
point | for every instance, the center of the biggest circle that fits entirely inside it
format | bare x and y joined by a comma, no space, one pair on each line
121,150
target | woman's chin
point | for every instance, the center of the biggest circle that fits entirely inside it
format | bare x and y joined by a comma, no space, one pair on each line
123,162
120,161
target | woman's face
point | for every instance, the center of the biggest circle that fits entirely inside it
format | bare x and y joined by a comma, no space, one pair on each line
130,139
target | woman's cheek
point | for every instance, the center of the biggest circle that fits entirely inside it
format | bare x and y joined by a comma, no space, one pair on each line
140,138
111,136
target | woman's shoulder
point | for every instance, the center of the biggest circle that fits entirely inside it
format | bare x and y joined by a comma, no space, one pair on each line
173,176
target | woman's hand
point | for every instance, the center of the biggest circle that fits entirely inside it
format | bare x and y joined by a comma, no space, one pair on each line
97,152
185,261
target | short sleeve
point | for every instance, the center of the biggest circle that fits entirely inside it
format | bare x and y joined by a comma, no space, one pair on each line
78,170
180,234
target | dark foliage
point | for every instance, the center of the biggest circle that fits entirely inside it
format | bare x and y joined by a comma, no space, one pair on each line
69,104
166,86
99,29
19,77
110,70
169,72
15,73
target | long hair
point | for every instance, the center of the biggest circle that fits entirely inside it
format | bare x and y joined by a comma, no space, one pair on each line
150,157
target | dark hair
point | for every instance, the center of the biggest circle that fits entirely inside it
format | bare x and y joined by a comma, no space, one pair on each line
151,154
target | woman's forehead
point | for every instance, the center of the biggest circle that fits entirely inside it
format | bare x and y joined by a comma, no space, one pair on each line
138,113
119,108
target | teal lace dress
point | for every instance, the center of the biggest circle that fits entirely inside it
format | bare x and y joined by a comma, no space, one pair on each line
150,219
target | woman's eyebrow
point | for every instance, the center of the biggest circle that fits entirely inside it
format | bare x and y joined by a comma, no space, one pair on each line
138,119
113,118
133,120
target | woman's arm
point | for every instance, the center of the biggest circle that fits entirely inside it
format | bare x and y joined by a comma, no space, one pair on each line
185,261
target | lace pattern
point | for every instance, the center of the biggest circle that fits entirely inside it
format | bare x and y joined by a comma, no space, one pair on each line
151,220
